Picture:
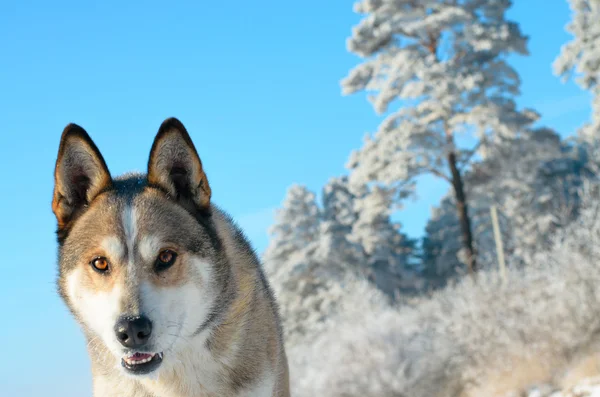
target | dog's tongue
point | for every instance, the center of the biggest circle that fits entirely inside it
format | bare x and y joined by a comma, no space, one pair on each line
140,356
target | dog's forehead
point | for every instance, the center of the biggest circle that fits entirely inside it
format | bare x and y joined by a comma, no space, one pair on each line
107,213
160,218
132,212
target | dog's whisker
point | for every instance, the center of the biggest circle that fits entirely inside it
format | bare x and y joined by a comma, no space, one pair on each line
91,341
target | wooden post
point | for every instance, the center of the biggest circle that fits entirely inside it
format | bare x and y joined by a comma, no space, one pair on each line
498,239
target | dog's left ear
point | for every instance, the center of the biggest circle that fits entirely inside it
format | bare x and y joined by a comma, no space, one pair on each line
174,165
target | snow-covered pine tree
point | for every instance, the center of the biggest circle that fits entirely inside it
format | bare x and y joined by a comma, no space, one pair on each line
294,234
312,252
358,237
338,217
441,244
303,293
582,56
445,60
534,180
388,252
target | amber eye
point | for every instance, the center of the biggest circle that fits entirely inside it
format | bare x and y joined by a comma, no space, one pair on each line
100,264
165,260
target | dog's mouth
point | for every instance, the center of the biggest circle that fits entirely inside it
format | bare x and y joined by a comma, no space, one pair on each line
141,363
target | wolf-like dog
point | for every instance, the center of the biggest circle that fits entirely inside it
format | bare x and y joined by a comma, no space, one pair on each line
167,290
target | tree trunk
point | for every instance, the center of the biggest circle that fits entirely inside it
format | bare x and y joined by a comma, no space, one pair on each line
463,212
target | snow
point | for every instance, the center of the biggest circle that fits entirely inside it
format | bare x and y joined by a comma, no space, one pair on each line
587,388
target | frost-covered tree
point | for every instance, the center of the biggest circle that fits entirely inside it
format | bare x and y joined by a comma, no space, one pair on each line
297,278
296,226
314,249
373,229
582,56
294,235
387,251
441,244
445,60
337,220
535,182
357,230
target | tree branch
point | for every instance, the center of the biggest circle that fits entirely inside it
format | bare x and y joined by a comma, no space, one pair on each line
438,174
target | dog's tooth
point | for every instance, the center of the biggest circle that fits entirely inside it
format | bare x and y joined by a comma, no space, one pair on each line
133,359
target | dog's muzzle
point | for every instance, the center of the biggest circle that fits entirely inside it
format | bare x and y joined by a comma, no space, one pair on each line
134,333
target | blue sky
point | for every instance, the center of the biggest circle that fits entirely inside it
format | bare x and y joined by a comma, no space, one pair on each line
256,84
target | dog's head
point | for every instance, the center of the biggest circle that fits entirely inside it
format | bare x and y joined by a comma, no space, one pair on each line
139,259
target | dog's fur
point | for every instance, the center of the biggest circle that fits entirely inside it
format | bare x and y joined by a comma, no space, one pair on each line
213,313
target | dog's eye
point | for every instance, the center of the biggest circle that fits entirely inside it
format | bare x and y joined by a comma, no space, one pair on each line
165,260
100,264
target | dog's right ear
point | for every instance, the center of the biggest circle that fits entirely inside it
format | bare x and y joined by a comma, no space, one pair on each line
80,174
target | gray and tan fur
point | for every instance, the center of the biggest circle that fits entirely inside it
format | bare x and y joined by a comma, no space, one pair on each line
208,311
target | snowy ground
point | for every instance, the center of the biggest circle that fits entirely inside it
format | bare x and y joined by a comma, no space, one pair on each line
589,388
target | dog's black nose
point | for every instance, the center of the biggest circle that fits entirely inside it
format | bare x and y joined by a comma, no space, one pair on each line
133,332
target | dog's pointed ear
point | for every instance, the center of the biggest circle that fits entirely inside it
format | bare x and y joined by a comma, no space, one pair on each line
80,174
174,165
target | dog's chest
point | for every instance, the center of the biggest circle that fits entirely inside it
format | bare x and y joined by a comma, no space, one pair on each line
200,375
262,387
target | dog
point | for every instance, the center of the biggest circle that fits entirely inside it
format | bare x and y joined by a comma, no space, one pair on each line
167,290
